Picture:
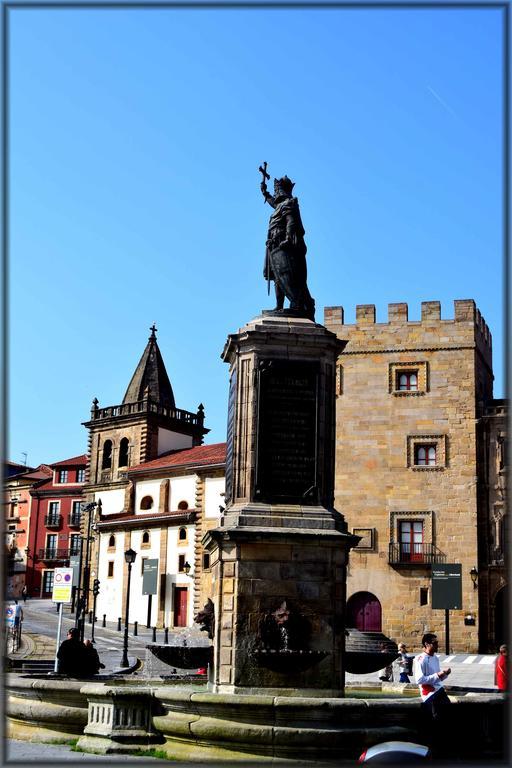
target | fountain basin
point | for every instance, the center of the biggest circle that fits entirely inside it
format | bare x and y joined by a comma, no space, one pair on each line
187,656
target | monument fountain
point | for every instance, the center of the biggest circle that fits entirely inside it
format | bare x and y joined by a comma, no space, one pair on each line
275,624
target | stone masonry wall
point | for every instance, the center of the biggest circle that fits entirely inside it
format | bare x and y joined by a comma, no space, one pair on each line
378,485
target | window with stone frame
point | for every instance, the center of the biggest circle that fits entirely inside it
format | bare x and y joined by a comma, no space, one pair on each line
408,378
181,563
110,569
182,535
146,502
426,452
146,539
411,537
63,475
112,541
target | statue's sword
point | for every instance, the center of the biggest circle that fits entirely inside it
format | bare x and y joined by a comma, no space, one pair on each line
263,171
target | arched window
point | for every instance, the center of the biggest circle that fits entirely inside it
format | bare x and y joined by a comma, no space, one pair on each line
106,461
182,534
146,502
123,452
111,541
145,537
183,505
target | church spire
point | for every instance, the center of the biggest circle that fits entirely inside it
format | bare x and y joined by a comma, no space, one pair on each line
150,377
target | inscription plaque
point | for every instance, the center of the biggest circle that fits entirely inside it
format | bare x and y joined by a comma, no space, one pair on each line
286,460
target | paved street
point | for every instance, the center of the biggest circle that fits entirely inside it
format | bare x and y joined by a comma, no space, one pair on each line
40,628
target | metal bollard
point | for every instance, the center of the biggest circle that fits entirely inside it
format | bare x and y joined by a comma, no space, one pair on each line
104,622
119,624
135,626
90,617
166,636
154,634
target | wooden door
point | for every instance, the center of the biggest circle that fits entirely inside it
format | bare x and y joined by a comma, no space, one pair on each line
180,606
364,612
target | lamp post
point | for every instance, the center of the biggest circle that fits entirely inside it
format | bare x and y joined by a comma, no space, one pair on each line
83,585
474,577
129,557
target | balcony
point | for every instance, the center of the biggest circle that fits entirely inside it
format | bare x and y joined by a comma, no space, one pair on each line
51,554
53,521
415,554
75,520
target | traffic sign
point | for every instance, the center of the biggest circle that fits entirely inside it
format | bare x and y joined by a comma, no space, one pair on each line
62,583
10,615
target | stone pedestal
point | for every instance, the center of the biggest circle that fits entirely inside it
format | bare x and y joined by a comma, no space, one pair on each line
279,557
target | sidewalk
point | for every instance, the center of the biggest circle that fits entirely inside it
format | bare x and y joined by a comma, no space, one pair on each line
28,752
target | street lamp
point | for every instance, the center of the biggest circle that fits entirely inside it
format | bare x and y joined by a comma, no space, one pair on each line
129,557
474,576
187,567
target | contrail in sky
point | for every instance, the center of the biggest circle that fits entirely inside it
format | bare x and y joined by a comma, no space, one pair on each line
440,100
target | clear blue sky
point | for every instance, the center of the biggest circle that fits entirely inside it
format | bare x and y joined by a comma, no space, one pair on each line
136,137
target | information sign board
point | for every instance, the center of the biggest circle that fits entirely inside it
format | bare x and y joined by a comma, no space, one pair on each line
447,586
74,563
62,583
150,577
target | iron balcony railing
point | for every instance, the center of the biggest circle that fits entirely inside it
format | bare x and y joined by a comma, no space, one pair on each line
53,521
415,554
75,520
52,553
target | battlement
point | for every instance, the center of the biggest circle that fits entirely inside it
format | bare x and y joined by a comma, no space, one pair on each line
466,311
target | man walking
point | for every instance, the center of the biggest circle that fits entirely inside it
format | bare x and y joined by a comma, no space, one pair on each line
429,676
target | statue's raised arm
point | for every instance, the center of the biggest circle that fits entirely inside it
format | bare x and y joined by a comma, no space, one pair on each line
285,259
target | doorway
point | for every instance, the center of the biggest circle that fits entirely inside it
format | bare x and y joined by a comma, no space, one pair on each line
364,612
501,617
180,606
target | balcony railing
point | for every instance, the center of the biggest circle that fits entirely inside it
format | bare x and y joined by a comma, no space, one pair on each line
148,405
415,554
53,521
53,554
75,520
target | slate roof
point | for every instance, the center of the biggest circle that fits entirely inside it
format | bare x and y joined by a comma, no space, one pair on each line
150,373
201,455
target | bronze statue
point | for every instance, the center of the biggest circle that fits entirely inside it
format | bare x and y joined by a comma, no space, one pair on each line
285,260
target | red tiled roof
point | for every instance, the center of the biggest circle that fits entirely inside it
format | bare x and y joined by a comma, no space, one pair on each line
201,455
76,461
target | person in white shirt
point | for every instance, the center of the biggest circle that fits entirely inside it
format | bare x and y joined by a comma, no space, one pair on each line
429,676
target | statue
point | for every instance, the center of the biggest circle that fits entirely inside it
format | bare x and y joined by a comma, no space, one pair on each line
206,619
285,261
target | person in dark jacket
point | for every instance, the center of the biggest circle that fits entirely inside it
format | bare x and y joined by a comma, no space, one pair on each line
72,656
93,660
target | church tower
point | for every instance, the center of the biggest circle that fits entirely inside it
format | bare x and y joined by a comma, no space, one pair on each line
144,426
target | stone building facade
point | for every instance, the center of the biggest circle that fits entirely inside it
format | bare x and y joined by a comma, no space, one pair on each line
410,395
493,531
